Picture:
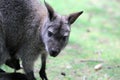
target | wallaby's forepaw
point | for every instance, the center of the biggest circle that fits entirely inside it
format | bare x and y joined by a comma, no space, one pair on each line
43,75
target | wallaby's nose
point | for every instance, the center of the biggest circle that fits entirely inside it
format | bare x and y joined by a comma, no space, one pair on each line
54,52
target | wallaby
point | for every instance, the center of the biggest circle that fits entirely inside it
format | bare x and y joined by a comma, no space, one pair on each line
28,28
12,76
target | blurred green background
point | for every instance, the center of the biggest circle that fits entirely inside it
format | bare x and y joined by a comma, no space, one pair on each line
94,40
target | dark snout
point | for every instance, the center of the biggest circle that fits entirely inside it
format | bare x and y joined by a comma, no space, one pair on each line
54,52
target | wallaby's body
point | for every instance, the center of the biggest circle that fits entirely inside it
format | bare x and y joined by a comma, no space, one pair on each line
28,29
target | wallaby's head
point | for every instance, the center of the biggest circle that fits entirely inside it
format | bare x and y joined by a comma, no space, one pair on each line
57,30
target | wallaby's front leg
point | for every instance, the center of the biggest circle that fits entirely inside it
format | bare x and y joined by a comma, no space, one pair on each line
43,67
28,68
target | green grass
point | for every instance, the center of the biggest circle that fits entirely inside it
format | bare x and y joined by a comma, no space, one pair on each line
94,36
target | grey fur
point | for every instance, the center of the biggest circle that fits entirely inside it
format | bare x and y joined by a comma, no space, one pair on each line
28,29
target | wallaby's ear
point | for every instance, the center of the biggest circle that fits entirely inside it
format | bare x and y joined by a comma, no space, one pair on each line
72,17
50,10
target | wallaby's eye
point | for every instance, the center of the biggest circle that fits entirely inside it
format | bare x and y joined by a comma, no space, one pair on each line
50,33
64,38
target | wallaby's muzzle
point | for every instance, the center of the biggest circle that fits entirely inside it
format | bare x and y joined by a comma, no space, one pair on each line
54,52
